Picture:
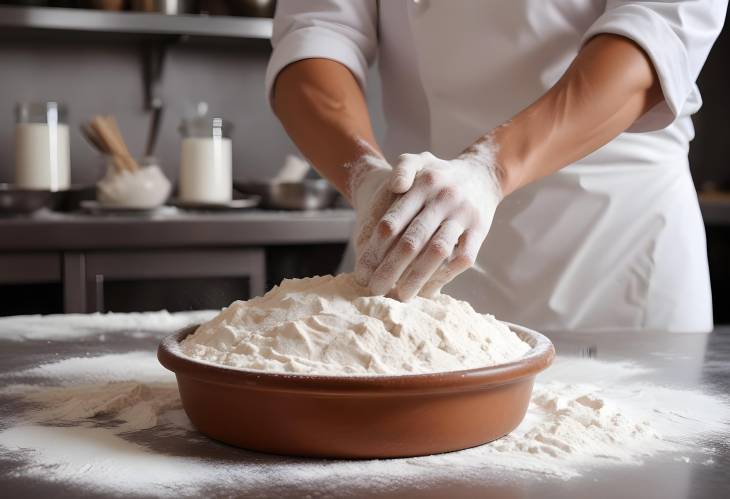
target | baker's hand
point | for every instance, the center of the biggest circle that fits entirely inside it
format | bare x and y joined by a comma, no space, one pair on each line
433,230
370,195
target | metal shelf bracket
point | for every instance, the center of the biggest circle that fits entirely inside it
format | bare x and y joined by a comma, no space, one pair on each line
153,63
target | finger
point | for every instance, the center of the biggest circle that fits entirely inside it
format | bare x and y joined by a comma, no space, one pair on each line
405,172
438,249
382,237
406,249
463,258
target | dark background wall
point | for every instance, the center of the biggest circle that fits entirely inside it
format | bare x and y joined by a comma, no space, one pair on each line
94,78
710,151
107,78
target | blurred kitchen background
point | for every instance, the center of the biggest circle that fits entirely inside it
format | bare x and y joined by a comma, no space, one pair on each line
119,56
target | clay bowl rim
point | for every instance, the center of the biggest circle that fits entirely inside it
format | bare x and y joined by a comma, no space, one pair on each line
537,359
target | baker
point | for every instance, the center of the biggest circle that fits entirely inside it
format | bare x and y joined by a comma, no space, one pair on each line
535,149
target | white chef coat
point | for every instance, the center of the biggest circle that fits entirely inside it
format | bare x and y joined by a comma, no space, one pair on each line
614,241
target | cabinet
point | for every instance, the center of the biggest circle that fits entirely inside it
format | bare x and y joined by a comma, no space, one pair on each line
150,280
100,281
56,262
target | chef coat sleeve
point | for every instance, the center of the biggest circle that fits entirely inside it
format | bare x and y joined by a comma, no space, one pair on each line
341,30
677,36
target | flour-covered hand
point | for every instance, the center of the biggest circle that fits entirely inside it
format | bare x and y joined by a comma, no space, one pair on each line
369,179
433,229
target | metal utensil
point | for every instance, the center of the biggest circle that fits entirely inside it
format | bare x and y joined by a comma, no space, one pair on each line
154,130
309,194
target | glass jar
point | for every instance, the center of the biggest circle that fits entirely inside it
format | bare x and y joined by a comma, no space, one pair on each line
42,150
206,160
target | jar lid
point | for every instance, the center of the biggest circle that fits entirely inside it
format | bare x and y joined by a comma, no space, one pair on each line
41,112
205,126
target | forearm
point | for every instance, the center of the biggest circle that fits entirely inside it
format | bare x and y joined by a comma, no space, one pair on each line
323,109
609,85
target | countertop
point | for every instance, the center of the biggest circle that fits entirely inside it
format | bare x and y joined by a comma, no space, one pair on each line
686,361
170,227
47,230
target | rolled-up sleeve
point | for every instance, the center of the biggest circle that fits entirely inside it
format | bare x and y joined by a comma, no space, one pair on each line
677,36
341,30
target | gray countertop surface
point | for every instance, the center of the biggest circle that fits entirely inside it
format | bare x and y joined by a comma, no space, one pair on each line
171,227
687,361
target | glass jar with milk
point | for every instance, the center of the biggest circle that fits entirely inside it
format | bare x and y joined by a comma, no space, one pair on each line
42,152
206,160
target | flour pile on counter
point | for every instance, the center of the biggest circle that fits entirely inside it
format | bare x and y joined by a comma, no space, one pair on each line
329,325
65,327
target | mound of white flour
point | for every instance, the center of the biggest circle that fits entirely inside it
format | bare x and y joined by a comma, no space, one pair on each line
329,325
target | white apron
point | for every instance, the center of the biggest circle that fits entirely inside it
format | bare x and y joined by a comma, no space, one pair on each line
613,242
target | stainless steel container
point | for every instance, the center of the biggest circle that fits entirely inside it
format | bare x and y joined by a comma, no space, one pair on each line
171,7
309,194
252,8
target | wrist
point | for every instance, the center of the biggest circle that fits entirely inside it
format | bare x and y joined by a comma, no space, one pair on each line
367,159
484,156
365,175
506,150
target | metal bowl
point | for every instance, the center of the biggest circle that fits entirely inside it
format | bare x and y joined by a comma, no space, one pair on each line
308,194
170,7
16,200
356,416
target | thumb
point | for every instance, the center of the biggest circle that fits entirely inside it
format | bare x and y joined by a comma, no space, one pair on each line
404,172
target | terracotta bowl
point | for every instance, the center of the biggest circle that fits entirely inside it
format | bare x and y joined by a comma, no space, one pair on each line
356,416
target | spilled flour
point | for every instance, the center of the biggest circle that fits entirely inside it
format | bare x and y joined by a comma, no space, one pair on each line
64,327
113,423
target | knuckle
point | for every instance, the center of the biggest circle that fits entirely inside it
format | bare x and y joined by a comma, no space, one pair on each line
386,227
448,195
408,245
429,178
439,249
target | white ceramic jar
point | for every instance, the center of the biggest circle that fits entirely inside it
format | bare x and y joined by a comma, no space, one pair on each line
42,151
206,161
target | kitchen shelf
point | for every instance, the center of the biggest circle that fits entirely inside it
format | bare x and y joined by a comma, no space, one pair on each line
53,22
